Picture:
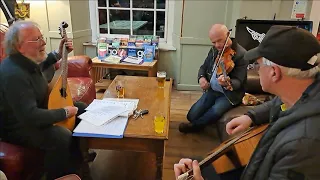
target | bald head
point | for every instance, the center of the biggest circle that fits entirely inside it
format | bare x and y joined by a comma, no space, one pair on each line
218,34
218,29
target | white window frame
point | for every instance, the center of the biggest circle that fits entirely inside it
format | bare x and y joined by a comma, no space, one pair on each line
166,41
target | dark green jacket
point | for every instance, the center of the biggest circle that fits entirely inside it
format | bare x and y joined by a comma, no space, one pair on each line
24,94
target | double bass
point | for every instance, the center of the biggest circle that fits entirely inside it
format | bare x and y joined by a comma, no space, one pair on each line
60,95
231,154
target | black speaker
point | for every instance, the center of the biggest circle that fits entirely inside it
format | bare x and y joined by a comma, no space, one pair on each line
249,33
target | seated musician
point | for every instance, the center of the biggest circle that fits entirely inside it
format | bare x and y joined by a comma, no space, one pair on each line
288,62
221,93
23,101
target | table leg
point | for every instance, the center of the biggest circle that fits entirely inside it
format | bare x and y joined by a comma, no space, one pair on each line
152,72
159,159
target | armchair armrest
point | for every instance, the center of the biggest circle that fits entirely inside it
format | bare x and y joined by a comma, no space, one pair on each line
78,66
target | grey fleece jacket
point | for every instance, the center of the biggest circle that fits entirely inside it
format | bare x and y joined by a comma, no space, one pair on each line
290,148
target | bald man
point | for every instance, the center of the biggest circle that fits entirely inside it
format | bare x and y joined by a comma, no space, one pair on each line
220,93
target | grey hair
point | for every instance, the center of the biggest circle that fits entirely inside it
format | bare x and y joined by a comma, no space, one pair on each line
12,37
294,72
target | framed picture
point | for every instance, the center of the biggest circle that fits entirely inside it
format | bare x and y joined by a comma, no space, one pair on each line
22,10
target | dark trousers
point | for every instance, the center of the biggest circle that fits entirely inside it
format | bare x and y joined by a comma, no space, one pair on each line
62,151
209,108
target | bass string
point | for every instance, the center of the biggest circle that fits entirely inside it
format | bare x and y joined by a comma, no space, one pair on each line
224,147
186,176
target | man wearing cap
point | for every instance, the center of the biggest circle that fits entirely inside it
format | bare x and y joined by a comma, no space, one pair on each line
287,59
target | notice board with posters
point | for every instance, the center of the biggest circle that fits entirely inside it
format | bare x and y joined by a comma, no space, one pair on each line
249,33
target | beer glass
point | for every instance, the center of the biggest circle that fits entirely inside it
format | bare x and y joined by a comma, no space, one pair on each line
120,88
161,77
159,122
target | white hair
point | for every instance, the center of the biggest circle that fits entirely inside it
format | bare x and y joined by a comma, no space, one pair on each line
294,72
12,37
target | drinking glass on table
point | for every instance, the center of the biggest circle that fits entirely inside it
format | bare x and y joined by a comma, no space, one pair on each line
161,77
120,88
159,122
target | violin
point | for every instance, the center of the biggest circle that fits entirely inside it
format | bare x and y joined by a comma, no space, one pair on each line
224,63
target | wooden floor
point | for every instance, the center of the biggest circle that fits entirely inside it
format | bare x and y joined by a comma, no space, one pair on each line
116,165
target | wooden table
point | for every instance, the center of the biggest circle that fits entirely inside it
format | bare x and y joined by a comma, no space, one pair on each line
99,68
139,134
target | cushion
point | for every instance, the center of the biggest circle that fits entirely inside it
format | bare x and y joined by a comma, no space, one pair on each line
81,89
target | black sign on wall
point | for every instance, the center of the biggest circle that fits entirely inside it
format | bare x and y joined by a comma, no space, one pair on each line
249,33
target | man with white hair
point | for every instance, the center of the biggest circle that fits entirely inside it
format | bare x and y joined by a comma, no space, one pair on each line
287,60
24,115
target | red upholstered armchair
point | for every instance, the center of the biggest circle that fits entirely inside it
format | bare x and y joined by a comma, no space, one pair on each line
79,79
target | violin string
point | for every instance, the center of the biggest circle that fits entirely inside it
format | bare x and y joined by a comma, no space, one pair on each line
221,53
190,177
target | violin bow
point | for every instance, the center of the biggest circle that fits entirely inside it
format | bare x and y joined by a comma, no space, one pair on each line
220,54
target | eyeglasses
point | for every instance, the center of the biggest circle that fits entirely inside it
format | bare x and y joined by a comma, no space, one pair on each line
39,40
254,66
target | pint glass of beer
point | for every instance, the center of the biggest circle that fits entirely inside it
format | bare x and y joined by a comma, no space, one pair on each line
120,89
161,77
159,122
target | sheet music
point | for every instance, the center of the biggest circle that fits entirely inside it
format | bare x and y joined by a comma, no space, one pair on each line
102,114
129,104
114,129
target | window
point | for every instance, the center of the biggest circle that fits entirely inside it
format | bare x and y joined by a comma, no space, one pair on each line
132,17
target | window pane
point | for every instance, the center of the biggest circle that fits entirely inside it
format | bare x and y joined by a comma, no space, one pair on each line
102,3
119,3
120,22
160,24
143,22
103,21
161,4
143,4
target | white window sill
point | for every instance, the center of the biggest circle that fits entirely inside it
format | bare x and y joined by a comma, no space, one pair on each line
162,46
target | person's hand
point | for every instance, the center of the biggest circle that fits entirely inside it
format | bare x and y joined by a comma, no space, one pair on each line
72,111
225,82
69,46
184,165
238,124
204,84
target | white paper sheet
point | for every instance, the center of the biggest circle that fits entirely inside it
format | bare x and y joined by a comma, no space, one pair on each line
130,104
102,114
